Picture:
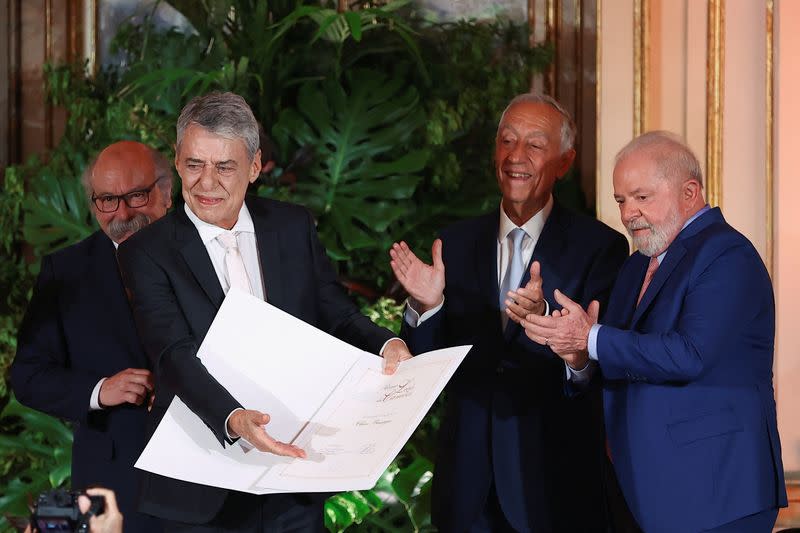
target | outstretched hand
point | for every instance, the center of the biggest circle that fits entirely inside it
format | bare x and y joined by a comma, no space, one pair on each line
249,425
424,283
566,331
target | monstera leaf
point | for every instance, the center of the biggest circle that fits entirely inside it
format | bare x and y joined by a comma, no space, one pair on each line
56,212
363,175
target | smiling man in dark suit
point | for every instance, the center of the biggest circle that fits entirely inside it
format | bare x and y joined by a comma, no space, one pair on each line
78,356
179,271
506,458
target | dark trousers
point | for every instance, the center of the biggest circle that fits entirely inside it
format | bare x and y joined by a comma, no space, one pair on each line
491,518
762,522
248,513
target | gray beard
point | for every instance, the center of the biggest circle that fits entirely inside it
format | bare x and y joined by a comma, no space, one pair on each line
659,238
119,229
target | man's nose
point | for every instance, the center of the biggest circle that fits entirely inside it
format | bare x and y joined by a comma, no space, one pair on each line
629,213
208,180
517,153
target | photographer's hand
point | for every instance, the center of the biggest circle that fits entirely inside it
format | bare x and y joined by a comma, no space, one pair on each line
110,521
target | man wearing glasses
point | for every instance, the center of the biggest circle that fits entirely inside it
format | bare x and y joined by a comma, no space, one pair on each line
79,356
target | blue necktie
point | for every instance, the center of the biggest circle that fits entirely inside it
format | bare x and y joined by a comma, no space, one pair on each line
515,268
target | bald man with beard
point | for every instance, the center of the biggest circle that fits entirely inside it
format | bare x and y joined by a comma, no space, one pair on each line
79,357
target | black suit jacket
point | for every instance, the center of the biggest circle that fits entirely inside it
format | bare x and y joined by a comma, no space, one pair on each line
508,420
176,295
79,328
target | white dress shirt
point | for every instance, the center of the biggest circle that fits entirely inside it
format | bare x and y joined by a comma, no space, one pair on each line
533,230
246,238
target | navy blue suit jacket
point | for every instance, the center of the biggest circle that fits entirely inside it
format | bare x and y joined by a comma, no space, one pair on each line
507,418
176,295
689,404
78,328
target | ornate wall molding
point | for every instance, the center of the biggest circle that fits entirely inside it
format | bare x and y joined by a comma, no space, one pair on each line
715,74
641,64
769,172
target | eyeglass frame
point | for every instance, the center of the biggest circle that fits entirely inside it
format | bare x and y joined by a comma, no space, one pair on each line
124,197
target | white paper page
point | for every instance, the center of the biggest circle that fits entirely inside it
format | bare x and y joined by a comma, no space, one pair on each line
268,360
271,361
364,424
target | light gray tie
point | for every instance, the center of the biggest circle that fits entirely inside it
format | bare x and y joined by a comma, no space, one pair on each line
234,264
515,268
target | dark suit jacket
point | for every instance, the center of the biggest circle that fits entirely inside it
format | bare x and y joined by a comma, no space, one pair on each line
690,409
176,295
508,420
79,328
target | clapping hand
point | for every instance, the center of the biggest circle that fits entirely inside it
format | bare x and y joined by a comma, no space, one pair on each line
565,331
528,299
424,283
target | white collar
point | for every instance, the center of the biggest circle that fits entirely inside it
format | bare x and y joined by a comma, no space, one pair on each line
209,232
533,227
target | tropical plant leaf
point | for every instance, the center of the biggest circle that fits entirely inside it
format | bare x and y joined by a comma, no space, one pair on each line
363,176
56,213
410,481
36,450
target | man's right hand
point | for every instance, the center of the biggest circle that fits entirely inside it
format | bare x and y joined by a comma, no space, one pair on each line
132,385
423,282
249,425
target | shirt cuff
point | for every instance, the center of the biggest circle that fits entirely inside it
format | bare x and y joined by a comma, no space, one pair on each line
592,342
546,307
390,340
414,319
582,376
241,441
94,399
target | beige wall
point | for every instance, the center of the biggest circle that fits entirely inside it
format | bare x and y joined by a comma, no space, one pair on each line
615,110
787,228
674,67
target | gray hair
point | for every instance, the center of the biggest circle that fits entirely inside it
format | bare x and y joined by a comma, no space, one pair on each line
568,129
672,156
163,174
223,114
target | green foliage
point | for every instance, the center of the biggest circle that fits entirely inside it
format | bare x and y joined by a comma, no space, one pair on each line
385,129
362,177
35,455
15,278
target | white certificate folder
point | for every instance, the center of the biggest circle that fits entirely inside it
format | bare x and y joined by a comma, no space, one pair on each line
322,394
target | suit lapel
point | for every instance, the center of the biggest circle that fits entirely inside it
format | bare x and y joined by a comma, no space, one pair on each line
486,263
675,253
629,284
269,253
549,248
196,256
105,272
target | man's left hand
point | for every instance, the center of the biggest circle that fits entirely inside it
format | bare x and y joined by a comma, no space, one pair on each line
528,299
394,353
567,333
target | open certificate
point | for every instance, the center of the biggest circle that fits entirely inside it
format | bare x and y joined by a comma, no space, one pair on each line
322,394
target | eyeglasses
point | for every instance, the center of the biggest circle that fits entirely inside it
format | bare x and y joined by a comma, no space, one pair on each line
108,203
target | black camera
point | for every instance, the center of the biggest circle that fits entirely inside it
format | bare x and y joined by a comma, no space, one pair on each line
57,510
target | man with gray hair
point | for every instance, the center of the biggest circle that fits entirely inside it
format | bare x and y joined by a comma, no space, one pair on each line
78,355
685,352
507,457
179,270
